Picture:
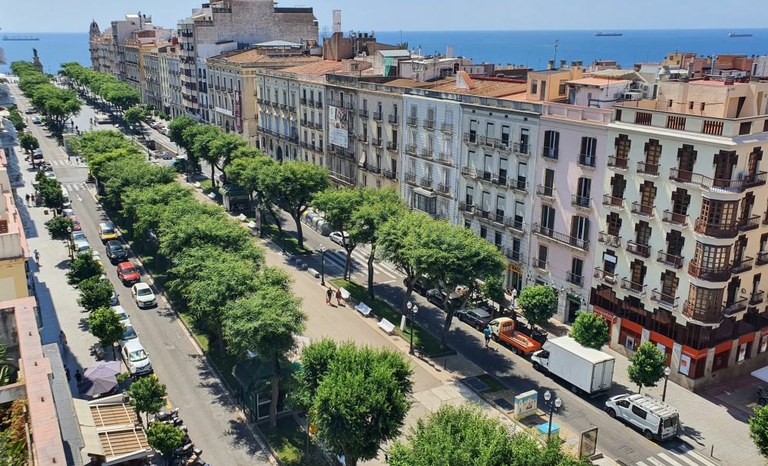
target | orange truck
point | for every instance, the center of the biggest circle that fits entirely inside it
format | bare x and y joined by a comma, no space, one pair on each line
503,330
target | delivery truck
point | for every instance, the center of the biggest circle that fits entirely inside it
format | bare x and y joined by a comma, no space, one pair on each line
503,330
586,370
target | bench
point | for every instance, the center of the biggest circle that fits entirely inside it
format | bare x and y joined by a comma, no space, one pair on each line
363,309
387,326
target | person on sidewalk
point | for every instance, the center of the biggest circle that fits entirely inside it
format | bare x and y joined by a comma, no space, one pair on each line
328,296
27,198
338,296
66,372
487,334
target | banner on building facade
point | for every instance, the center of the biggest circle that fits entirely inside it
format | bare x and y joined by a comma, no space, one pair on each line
338,122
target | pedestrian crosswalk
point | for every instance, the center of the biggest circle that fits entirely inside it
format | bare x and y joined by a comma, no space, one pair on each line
75,186
66,163
682,455
337,258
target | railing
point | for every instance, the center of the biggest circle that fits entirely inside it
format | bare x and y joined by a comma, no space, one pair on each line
712,313
470,172
363,112
762,258
749,180
488,141
349,105
429,124
392,145
610,201
412,121
426,182
569,240
393,119
736,306
311,103
410,149
675,218
648,168
376,142
499,179
550,152
515,224
540,263
371,169
446,128
470,138
522,149
465,207
582,202
577,280
712,274
638,249
618,163
757,297
668,301
389,174
716,231
484,175
645,210
669,259
637,289
546,191
513,255
445,158
743,265
377,116
443,188
303,100
587,160
609,239
498,217
410,177
749,223
519,185
426,153
607,277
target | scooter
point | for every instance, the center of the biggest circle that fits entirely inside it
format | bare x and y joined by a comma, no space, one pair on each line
165,415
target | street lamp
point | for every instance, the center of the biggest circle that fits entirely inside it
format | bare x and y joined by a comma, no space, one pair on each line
412,310
553,405
69,241
323,250
667,371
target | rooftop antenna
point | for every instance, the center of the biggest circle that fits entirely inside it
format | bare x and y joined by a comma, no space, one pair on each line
557,44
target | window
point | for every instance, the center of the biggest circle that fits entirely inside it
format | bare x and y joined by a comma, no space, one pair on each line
483,232
497,239
505,131
577,270
490,130
613,221
541,261
469,198
426,204
534,87
547,219
561,88
680,201
551,144
639,412
580,230
712,258
588,151
583,192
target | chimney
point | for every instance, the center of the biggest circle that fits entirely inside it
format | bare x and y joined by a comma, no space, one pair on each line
551,64
336,21
563,63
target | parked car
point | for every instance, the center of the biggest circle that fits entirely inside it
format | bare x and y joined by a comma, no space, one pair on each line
50,175
655,419
37,120
77,235
82,247
129,334
436,297
143,295
66,201
37,154
69,213
128,273
136,358
166,155
122,315
107,231
97,257
475,317
30,110
421,286
116,251
339,237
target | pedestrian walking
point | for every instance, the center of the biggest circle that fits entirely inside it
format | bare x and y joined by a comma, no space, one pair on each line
338,296
78,376
27,197
66,372
37,257
487,334
514,297
328,296
32,197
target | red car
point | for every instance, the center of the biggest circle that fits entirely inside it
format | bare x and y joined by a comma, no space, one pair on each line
128,273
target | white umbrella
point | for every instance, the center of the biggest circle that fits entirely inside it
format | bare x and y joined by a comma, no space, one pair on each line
761,374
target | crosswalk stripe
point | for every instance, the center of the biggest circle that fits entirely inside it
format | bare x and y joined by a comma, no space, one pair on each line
701,458
382,268
669,459
640,463
654,461
682,457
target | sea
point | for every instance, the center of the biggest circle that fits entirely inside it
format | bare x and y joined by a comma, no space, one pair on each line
528,48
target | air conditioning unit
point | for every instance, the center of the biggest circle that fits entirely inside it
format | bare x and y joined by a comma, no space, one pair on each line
503,147
609,279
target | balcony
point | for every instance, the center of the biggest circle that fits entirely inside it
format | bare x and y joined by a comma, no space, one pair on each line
638,249
519,185
429,124
514,256
363,113
410,177
609,240
664,300
394,119
412,121
499,179
648,169
644,210
670,260
719,273
392,145
742,265
613,202
376,142
377,116
498,217
426,153
540,263
550,153
757,297
447,128
581,202
712,314
522,149
515,224
425,182
483,215
746,181
469,172
749,223
470,138
716,230
443,188
466,207
311,103
484,175
607,277
733,307
637,289
568,240
445,158
762,258
618,163
410,149
574,279
587,160
545,191
673,218
392,175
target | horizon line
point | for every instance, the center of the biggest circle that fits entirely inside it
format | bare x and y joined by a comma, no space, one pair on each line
720,28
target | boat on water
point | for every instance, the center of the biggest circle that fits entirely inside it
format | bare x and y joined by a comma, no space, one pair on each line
608,34
20,38
739,34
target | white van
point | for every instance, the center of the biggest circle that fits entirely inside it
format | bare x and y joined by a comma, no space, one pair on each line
654,418
65,194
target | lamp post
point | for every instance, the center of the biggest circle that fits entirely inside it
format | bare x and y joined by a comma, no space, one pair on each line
553,405
412,310
69,241
667,371
323,250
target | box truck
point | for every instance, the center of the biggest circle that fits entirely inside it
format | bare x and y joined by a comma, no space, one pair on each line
587,370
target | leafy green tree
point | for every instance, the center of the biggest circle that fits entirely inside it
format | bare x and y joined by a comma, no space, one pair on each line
493,289
6,365
147,395
13,436
338,207
143,208
59,226
135,115
245,172
360,399
131,173
292,186
176,131
50,192
539,303
200,138
265,322
28,142
224,149
95,293
17,120
83,267
647,366
165,439
590,330
179,234
758,429
105,325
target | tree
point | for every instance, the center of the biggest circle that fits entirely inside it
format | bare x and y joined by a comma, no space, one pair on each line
17,120
50,192
590,330
292,187
200,138
164,438
338,207
147,395
95,292
647,366
105,325
135,115
59,226
245,172
360,400
28,142
493,289
82,267
758,429
224,148
176,131
267,323
539,303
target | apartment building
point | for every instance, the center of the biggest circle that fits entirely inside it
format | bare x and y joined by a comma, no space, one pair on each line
683,232
13,251
151,87
170,80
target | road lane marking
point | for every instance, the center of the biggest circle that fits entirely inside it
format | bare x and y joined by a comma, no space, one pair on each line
669,459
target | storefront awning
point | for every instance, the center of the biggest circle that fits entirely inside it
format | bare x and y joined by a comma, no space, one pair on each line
761,374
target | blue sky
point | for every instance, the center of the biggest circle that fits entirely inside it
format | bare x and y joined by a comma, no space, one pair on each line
393,15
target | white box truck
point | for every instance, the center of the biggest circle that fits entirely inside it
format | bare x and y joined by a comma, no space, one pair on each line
587,370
